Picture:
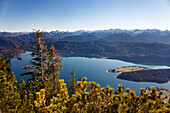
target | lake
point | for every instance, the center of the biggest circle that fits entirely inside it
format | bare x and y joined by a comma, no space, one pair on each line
92,68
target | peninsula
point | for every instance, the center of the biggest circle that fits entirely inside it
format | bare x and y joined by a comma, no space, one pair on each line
10,52
142,74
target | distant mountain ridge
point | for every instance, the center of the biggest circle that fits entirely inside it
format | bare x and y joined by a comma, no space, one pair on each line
12,34
116,35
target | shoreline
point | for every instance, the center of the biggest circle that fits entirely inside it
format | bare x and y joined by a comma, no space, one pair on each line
142,81
12,53
131,59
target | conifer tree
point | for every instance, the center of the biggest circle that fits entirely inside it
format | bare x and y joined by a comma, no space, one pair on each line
5,64
38,62
26,98
54,64
46,67
9,96
72,83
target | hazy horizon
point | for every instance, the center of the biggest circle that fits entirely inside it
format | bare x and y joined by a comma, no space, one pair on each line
81,30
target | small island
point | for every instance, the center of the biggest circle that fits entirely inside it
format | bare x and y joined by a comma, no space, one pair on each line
142,74
128,69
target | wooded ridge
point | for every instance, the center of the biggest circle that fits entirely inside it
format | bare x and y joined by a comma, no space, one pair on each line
129,51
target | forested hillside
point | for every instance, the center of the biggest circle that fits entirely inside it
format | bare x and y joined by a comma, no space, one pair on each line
129,51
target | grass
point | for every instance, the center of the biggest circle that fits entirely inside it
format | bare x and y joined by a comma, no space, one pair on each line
128,69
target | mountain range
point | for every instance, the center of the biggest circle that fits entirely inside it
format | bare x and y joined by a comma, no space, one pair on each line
116,35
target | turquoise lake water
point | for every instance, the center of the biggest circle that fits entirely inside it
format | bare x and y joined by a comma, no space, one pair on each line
92,68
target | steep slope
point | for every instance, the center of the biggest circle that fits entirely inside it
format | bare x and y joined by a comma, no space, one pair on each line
146,37
80,38
121,37
150,37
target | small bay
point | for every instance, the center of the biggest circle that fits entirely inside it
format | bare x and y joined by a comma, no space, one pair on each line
92,68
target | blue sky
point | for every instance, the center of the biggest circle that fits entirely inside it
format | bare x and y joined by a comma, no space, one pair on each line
71,15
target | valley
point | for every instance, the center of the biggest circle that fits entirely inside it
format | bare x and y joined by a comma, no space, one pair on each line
93,68
138,52
84,56
83,43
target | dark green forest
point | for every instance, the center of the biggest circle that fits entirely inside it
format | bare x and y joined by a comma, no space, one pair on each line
47,93
138,52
